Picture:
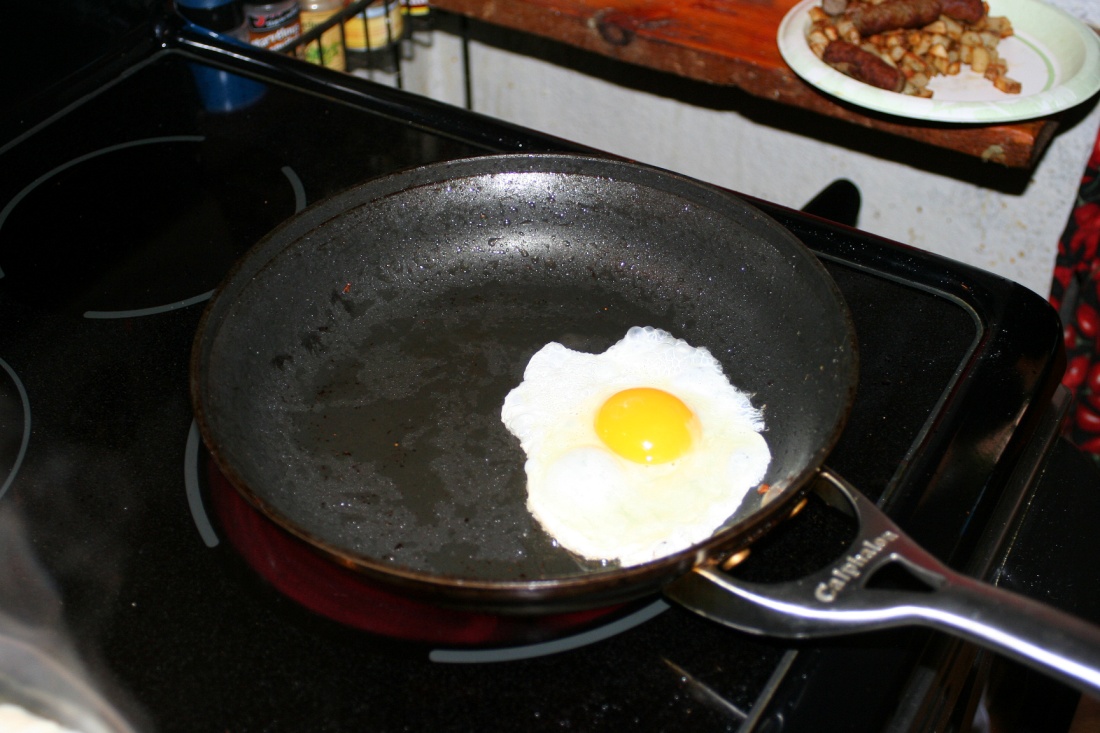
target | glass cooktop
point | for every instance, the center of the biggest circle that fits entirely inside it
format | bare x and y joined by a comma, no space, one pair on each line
127,197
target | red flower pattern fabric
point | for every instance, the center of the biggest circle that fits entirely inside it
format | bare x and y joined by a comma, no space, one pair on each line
1075,292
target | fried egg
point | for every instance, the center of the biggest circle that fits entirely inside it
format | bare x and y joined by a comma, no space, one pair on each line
635,453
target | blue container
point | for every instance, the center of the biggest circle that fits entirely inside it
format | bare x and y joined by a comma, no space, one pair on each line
221,91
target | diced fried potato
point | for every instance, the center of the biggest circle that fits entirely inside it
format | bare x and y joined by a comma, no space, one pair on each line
913,61
979,59
989,39
970,38
999,24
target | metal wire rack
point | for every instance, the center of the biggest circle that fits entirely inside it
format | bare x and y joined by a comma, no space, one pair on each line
367,37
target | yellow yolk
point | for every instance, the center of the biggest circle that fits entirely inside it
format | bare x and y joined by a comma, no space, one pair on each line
646,425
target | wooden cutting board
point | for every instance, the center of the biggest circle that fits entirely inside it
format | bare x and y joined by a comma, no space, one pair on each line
733,43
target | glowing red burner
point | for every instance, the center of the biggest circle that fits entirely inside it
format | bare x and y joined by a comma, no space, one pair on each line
351,598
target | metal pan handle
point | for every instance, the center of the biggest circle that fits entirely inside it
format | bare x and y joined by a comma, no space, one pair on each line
839,600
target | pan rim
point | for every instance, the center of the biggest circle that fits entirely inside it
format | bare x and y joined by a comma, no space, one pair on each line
646,576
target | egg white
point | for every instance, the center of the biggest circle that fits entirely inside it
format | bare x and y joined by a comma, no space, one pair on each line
604,507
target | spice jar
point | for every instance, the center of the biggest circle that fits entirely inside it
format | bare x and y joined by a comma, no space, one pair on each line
372,36
327,50
272,25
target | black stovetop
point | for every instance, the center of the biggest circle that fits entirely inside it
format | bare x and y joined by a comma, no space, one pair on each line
123,203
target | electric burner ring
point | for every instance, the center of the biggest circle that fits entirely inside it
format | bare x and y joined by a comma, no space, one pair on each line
172,174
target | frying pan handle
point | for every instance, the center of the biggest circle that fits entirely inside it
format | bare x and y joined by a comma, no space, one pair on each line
842,599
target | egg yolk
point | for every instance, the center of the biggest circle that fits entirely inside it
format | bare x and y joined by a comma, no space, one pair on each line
646,425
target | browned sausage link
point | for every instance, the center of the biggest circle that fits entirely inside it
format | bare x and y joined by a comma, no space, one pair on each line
863,65
968,11
892,14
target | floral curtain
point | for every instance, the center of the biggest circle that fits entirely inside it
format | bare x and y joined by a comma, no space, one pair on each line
1075,292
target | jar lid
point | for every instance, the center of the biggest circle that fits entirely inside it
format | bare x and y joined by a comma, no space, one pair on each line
206,4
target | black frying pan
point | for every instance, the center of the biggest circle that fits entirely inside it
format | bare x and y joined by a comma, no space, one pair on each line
349,374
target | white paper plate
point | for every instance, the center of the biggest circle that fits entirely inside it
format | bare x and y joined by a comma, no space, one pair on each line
1055,57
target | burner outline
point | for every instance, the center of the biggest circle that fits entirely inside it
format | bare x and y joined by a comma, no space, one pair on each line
6,211
296,185
151,311
21,390
299,203
554,646
193,491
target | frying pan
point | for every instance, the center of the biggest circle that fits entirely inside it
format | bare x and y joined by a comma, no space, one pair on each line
348,376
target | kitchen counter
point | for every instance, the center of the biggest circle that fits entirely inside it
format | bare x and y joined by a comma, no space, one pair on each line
732,42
